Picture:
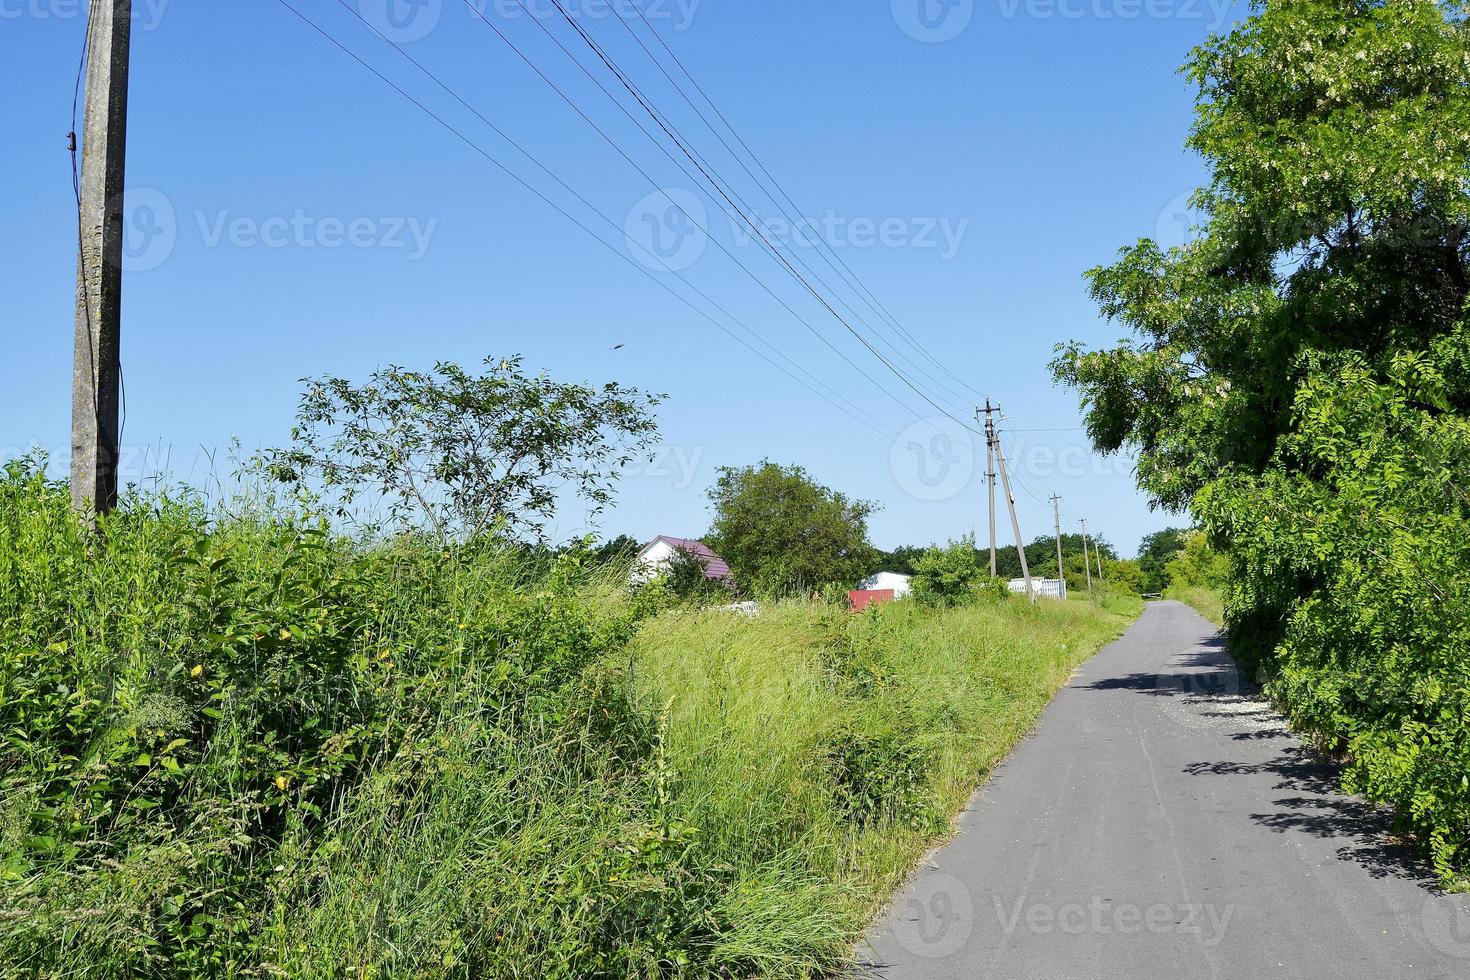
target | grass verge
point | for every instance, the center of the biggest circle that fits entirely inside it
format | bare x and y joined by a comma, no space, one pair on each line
821,754
1207,602
240,745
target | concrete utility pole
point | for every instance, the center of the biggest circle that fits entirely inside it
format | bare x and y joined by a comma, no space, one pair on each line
1011,503
1056,510
1086,561
989,473
96,364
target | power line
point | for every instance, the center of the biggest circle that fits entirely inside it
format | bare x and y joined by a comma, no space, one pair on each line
653,183
637,94
856,413
566,214
1021,480
1026,487
876,305
771,249
795,220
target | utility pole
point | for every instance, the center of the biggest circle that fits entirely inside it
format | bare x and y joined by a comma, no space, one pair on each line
1096,553
1056,510
1011,503
989,473
96,365
1086,561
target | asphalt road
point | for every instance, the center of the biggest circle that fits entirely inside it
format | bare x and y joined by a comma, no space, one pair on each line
1161,823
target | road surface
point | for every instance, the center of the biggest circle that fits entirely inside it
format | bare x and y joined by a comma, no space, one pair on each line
1161,823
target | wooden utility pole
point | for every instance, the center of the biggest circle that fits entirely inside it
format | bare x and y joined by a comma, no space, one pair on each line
1086,561
1056,510
1005,480
96,365
989,473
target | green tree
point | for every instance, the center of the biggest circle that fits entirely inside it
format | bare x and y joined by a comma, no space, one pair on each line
1300,380
1197,565
620,550
1124,575
463,453
1154,554
781,532
900,559
687,578
1041,555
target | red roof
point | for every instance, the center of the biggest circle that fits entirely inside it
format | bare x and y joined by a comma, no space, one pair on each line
714,565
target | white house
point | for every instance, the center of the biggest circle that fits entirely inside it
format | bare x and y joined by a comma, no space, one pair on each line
656,557
881,581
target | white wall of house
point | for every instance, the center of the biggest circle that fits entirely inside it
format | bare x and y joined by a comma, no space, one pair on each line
900,584
652,562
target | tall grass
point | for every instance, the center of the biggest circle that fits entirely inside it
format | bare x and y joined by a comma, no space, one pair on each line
243,745
820,753
1206,601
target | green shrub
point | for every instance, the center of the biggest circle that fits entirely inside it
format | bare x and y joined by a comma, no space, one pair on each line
1197,565
687,578
993,590
949,576
1351,588
881,775
200,711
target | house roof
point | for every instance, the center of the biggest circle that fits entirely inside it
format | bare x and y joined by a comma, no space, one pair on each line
882,580
714,565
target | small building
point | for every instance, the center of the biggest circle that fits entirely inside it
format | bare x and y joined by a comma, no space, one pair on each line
860,599
900,585
656,557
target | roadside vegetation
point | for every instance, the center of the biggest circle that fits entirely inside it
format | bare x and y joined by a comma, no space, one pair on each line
1199,575
1299,382
239,743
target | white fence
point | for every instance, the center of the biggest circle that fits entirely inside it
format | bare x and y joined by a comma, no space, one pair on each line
1052,588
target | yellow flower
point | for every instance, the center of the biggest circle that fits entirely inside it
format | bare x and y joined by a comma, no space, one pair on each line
282,782
285,634
196,670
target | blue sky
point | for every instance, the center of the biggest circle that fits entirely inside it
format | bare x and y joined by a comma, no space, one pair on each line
292,215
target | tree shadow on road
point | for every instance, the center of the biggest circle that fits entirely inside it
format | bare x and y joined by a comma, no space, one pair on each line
1205,672
1307,798
1312,804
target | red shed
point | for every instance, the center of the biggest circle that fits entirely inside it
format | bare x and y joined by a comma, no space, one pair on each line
861,599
